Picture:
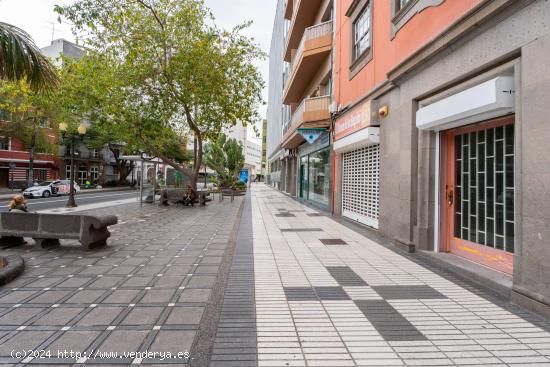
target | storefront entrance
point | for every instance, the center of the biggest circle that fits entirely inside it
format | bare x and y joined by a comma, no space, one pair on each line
478,192
315,176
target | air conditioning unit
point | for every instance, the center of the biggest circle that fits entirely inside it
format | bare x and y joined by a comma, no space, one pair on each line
333,107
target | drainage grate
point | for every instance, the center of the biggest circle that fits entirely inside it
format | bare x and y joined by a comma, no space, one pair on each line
333,241
389,323
285,215
346,277
315,215
408,292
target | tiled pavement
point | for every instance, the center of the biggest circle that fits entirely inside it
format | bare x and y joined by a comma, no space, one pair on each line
302,290
146,291
327,296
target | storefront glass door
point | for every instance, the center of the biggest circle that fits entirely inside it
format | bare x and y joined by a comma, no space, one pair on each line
303,177
480,193
319,177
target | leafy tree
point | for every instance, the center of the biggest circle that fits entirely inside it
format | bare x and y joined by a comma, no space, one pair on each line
27,110
178,74
225,156
20,59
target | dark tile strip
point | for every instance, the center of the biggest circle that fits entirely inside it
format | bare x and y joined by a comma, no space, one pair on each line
391,325
408,292
333,241
301,230
346,277
235,342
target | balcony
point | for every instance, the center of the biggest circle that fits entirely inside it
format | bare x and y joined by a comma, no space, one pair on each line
311,113
288,9
303,15
315,46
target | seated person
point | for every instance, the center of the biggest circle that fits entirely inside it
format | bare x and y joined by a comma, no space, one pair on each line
189,196
18,204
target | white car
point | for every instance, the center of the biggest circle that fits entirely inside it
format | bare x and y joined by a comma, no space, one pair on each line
48,188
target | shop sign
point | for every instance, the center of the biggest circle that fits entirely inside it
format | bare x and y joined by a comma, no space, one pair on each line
355,119
243,176
311,135
322,142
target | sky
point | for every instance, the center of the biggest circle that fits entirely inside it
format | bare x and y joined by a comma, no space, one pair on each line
40,21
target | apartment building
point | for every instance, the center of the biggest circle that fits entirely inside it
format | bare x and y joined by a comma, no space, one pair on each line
304,66
439,141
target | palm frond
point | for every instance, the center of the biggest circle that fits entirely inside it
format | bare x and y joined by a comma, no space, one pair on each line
20,58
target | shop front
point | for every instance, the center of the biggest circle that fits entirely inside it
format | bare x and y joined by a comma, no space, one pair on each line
315,171
357,149
476,215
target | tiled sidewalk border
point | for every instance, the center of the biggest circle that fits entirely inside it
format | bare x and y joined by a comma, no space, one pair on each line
236,343
203,345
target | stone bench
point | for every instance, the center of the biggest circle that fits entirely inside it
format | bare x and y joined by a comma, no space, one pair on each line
175,196
48,229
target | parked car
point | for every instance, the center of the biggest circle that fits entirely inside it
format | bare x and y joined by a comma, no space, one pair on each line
48,188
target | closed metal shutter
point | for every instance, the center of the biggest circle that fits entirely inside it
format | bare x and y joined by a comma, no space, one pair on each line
360,185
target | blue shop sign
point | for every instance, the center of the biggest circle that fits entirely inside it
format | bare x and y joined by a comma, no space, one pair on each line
321,142
244,176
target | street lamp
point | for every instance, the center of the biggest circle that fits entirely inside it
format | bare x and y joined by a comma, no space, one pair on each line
81,131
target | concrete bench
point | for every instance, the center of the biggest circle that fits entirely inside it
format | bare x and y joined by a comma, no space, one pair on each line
175,196
48,229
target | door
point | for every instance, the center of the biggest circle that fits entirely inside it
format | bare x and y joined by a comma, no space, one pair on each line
4,177
479,193
360,185
304,177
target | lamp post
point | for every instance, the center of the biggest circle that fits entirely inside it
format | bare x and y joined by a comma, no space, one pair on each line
81,131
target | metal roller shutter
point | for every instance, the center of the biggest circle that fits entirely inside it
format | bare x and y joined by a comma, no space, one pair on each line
360,185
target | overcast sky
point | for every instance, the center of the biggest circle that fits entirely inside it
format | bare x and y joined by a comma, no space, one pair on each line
38,18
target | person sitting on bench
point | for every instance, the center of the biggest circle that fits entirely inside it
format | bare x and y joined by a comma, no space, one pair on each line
18,204
189,196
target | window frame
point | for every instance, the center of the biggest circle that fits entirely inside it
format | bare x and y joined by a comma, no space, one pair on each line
357,9
402,14
365,36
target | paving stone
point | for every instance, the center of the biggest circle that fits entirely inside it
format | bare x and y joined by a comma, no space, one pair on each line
143,316
18,316
59,316
185,316
195,295
121,341
173,341
73,340
100,316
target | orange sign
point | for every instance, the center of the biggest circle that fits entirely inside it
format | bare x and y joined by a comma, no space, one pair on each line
355,119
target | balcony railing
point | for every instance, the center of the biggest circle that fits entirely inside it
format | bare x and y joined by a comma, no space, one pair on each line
311,33
311,109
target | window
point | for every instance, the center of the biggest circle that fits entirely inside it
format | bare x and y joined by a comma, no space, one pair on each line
93,153
400,4
82,174
94,173
361,33
4,143
360,20
68,171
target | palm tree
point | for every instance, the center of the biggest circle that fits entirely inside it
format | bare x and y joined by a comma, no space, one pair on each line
20,58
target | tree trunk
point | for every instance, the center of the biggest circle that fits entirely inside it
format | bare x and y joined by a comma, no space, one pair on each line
123,171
